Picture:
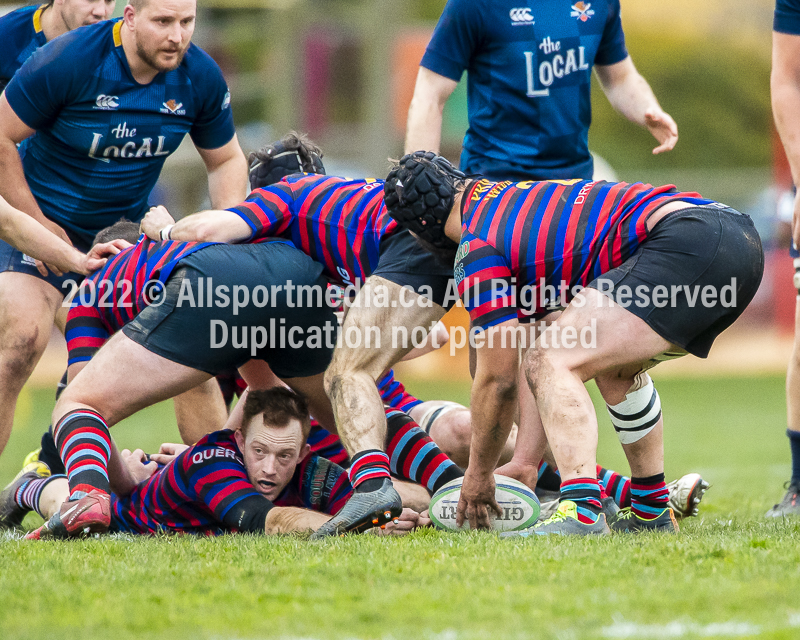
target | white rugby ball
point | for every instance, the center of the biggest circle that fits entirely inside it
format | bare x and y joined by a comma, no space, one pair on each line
519,504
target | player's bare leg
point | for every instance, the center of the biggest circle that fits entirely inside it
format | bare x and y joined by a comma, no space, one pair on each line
350,378
357,405
200,411
556,376
27,308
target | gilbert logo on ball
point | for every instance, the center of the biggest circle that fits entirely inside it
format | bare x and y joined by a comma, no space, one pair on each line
518,503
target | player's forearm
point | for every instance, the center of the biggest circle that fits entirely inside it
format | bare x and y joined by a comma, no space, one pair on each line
627,91
32,238
227,183
424,126
13,187
293,520
785,107
493,403
211,226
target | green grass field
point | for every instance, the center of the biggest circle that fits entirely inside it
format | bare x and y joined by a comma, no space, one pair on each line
730,573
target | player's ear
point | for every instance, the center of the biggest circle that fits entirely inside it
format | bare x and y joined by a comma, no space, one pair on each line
304,451
237,435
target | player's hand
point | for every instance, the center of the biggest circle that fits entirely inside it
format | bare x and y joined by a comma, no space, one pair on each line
57,230
135,461
424,520
154,221
663,128
167,452
796,221
99,255
477,501
525,473
404,524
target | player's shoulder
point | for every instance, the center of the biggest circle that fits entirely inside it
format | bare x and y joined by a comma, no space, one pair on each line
18,19
200,70
78,51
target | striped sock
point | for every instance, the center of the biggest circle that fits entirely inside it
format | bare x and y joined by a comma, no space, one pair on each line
84,443
28,494
585,493
649,496
372,464
616,486
414,456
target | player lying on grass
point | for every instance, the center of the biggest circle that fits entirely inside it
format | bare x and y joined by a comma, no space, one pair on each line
512,239
261,479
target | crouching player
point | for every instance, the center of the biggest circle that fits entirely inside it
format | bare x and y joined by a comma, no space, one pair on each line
506,237
260,479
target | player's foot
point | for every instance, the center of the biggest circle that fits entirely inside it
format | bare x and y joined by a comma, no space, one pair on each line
11,514
685,494
789,506
90,514
564,522
364,511
628,522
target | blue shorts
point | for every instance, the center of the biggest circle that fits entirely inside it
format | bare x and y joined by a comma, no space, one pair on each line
14,260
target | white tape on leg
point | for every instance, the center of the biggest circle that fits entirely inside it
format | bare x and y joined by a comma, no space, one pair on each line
637,414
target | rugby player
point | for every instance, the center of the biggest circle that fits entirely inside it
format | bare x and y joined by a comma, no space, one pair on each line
26,29
511,240
343,225
260,479
108,103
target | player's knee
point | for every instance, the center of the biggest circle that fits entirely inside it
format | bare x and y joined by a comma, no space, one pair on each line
638,414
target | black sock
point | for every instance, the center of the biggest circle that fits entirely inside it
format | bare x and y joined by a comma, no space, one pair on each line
794,443
49,454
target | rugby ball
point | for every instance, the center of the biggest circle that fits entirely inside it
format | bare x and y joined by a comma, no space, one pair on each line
519,504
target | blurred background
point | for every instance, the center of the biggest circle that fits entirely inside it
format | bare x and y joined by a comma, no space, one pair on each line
343,71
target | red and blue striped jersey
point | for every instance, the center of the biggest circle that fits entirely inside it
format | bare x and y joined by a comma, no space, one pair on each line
113,296
338,222
206,490
527,247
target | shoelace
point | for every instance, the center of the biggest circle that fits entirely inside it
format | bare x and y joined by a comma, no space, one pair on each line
624,514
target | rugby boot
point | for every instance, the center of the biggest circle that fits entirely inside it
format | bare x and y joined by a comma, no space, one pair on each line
11,514
364,511
90,514
789,506
564,522
628,522
685,494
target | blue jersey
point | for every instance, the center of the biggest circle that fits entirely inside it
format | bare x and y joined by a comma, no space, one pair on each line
528,81
21,34
101,137
787,17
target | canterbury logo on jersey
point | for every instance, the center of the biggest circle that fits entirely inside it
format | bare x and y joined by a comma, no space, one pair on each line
582,11
521,15
106,102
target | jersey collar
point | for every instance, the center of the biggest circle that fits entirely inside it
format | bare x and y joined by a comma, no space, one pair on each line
37,18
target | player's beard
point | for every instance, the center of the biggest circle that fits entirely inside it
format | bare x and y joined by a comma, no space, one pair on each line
151,59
